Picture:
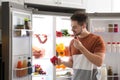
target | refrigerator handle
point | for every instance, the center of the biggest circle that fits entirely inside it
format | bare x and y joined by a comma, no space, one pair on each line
3,69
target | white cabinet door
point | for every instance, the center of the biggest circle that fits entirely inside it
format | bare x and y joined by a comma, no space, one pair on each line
115,5
98,6
43,2
72,3
61,3
15,1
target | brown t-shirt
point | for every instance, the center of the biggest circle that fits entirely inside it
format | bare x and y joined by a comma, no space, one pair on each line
92,43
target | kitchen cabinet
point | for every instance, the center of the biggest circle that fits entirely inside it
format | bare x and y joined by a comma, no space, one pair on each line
61,3
99,6
115,6
42,2
15,1
72,3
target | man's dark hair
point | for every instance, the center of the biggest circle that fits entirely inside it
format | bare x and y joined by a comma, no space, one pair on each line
80,17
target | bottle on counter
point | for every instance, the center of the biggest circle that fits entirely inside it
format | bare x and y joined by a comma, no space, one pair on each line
19,66
29,65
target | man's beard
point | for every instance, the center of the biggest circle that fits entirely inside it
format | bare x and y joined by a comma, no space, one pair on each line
78,33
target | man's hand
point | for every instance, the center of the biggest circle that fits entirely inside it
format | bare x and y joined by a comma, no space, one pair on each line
55,60
77,44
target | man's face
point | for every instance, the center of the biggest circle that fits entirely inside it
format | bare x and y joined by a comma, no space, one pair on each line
76,28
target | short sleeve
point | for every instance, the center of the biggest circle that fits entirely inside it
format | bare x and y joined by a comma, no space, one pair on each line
100,45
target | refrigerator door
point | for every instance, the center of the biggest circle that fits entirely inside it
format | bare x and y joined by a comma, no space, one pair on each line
21,41
17,41
107,25
43,41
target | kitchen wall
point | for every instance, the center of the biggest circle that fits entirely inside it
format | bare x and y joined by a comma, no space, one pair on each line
91,6
103,6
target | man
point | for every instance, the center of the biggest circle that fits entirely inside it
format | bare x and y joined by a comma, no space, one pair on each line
87,50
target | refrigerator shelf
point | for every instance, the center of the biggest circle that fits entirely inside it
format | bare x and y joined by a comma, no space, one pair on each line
107,33
37,59
22,29
105,19
112,76
23,68
63,77
20,54
39,75
67,69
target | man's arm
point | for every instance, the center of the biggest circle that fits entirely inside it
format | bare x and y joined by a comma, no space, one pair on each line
96,58
67,61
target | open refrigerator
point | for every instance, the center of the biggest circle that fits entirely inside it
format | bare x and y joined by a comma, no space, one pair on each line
29,42
107,25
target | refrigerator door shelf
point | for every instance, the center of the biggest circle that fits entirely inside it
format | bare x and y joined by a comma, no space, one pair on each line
23,68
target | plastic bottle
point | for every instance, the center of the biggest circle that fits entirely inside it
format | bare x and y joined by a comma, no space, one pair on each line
113,47
24,66
19,66
118,47
110,28
108,47
29,65
104,72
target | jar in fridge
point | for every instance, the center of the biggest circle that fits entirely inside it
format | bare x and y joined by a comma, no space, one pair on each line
110,28
116,28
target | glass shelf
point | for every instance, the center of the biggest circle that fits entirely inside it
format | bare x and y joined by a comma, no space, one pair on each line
33,58
22,29
107,33
67,69
64,77
39,75
112,76
23,68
